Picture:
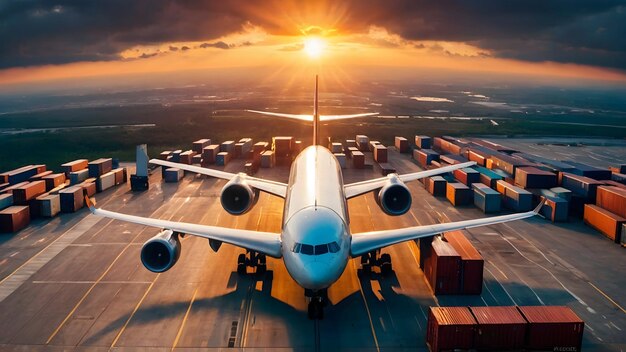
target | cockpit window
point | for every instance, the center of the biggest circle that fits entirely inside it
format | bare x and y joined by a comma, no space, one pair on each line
296,247
333,247
306,249
321,249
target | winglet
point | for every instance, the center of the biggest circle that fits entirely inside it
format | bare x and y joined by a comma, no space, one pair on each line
91,204
541,203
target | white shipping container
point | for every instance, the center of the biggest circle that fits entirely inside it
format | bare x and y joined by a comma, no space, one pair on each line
77,177
105,181
50,205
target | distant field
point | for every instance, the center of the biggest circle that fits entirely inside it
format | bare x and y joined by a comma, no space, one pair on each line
178,125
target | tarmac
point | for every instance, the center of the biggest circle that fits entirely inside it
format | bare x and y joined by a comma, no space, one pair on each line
76,282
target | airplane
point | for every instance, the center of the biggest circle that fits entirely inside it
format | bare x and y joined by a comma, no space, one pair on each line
315,241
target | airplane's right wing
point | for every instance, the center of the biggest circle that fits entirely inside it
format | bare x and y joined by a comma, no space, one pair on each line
358,188
309,118
369,241
276,188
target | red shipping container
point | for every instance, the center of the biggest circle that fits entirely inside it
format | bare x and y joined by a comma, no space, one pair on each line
551,327
53,180
472,262
442,268
14,218
479,159
450,328
402,144
209,154
612,199
604,221
165,154
380,153
499,328
358,160
22,195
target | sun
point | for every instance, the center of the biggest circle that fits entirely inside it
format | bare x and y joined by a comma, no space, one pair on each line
314,47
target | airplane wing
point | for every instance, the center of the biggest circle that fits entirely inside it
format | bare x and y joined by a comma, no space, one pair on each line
358,188
310,117
276,188
263,242
369,241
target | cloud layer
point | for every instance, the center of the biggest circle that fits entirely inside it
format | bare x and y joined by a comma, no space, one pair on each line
36,32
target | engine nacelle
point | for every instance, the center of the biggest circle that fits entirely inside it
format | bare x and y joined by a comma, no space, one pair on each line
161,252
238,197
394,197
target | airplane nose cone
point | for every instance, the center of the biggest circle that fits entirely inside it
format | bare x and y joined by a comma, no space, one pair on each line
317,275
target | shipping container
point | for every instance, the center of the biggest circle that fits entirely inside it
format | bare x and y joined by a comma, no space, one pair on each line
40,175
549,164
197,159
589,171
268,159
186,157
508,163
336,148
442,268
425,156
78,176
423,142
362,142
50,205
555,209
358,160
487,177
222,159
458,194
435,185
373,145
74,166
227,146
581,185
552,327
472,263
499,328
22,195
450,328
606,222
515,198
467,176
198,145
401,144
21,174
173,174
120,175
341,158
175,156
6,200
452,159
89,188
105,181
259,147
386,169
14,218
71,199
612,199
282,146
100,166
531,177
623,237
53,181
446,146
486,199
165,155
562,193
350,143
209,154
380,153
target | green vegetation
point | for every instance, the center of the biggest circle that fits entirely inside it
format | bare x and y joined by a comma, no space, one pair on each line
179,125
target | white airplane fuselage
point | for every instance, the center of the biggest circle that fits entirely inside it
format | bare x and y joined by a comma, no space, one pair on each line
315,231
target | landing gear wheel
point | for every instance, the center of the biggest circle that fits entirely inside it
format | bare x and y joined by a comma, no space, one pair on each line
241,264
385,258
316,310
385,269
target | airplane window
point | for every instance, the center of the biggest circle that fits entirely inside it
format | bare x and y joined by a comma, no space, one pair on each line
306,249
321,249
296,248
333,247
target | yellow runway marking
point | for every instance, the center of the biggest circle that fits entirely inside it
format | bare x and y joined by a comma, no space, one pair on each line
607,297
182,325
119,334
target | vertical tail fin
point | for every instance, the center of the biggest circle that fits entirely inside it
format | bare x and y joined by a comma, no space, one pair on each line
316,114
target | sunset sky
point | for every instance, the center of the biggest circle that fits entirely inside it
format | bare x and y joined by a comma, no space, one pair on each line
47,40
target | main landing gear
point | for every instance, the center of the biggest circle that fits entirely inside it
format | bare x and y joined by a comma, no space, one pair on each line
375,259
251,259
318,300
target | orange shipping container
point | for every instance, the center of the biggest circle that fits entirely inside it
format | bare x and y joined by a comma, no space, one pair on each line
450,328
53,180
22,195
612,199
14,218
604,221
553,328
499,328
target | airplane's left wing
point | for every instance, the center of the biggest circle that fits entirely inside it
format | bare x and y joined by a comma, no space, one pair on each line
309,118
358,188
369,241
276,188
263,242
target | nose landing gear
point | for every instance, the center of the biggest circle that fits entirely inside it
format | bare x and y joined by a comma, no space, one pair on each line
318,300
375,259
251,259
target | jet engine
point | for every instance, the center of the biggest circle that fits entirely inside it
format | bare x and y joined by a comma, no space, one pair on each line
394,197
161,252
238,197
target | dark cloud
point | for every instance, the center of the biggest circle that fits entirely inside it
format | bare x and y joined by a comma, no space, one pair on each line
219,45
173,48
36,32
